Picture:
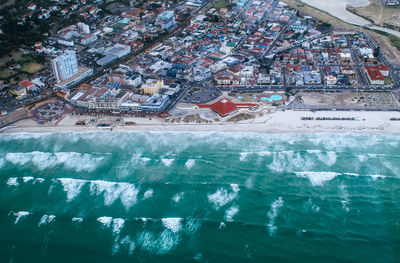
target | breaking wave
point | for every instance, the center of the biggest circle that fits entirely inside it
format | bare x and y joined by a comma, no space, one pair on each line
190,163
231,212
46,219
167,162
43,160
223,196
272,216
172,223
111,191
20,215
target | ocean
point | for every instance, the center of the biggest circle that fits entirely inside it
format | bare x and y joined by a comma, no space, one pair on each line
199,197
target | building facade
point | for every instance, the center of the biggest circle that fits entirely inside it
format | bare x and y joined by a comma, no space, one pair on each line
65,66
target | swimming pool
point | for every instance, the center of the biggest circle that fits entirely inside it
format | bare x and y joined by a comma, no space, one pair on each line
272,98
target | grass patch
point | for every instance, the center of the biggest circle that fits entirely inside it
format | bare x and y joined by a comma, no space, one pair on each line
15,56
388,81
6,73
395,41
218,4
32,67
18,78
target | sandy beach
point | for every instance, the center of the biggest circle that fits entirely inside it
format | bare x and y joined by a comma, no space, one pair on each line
275,122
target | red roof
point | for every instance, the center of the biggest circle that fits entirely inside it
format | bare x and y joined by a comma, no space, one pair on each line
26,83
224,106
374,74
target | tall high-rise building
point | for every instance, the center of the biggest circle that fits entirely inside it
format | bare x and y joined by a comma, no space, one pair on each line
65,66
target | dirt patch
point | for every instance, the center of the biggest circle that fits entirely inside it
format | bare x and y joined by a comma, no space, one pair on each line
241,117
194,118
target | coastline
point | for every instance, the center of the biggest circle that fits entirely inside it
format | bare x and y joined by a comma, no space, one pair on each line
380,38
374,123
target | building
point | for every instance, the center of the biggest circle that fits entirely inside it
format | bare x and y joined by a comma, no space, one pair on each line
65,66
113,53
32,7
152,86
83,28
167,19
374,75
392,2
157,102
78,77
134,81
224,106
18,91
88,38
27,85
201,74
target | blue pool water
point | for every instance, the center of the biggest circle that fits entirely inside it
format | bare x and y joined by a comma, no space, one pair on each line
272,98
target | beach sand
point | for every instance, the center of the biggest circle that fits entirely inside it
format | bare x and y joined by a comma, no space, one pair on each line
371,122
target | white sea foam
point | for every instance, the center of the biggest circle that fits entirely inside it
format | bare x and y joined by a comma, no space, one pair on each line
273,214
328,158
148,194
264,153
172,223
17,158
351,174
77,219
2,162
111,191
13,181
231,212
79,161
222,197
345,196
249,182
38,180
289,161
235,187
117,224
161,244
376,176
138,160
167,162
46,219
178,196
27,178
362,158
243,156
192,224
190,163
129,244
20,215
313,207
166,241
105,221
72,187
318,178
44,160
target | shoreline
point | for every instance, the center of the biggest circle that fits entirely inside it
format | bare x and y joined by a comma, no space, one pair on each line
372,123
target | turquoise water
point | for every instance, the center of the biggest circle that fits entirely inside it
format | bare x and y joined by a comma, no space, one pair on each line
272,98
199,197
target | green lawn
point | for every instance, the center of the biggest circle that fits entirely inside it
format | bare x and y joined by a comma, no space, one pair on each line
388,81
32,67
